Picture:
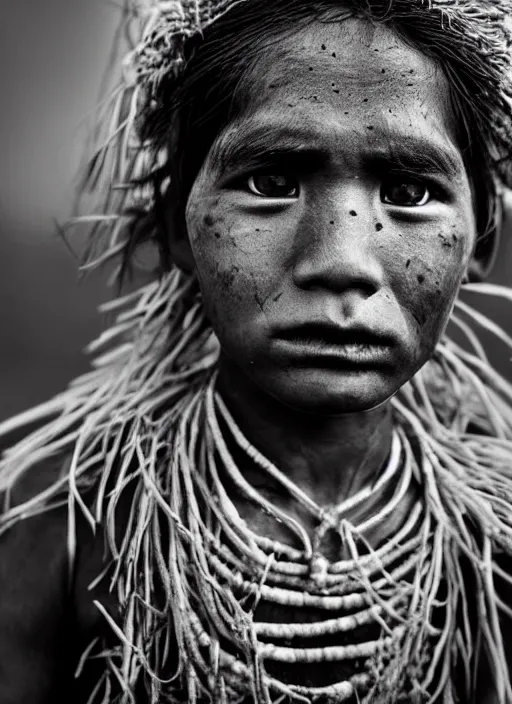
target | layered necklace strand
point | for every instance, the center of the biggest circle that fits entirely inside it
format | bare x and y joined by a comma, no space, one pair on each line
393,586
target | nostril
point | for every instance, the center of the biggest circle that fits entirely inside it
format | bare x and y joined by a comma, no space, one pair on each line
353,213
367,287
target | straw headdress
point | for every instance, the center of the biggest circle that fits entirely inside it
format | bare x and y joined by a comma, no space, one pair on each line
144,420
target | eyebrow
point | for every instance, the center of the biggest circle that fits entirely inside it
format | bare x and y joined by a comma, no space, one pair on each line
254,145
419,154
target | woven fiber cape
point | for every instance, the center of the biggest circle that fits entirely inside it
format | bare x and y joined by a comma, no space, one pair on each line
146,422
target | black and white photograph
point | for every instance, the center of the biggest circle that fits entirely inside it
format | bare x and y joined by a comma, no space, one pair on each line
256,352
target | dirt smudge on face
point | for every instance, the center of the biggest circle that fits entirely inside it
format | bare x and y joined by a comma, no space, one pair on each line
420,318
259,301
227,277
445,242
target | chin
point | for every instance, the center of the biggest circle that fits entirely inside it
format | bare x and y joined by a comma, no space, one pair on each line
333,394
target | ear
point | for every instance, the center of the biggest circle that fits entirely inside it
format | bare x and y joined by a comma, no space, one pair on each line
486,248
179,245
483,257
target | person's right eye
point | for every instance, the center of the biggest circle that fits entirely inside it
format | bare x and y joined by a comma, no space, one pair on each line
272,184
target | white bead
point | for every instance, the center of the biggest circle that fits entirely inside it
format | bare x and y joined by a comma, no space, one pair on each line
318,568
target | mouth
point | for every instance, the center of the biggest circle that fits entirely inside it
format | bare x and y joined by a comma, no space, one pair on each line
334,345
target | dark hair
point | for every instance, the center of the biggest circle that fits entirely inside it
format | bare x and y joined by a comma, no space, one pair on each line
185,115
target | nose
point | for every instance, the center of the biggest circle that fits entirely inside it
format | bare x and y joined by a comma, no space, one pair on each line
336,246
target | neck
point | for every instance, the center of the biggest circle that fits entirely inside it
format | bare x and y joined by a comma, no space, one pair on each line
329,457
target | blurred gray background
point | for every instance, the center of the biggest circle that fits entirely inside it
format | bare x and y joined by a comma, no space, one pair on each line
52,54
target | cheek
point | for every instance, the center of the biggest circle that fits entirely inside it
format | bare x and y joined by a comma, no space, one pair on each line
233,261
428,273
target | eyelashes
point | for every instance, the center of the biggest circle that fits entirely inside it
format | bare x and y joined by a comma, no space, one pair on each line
272,184
405,192
399,189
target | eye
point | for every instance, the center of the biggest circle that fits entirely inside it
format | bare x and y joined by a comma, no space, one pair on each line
405,192
273,185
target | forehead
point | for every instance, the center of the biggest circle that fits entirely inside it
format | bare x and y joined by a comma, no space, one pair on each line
347,77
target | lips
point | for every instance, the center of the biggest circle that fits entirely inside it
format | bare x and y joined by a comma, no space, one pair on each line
320,343
333,335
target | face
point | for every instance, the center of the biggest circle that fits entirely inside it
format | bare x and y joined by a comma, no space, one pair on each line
332,221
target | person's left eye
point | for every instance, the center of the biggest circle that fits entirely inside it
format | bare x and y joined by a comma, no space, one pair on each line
273,185
405,192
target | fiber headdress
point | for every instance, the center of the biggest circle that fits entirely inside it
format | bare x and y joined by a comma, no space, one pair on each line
477,39
144,419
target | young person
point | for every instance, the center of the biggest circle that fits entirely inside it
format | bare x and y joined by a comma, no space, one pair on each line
281,481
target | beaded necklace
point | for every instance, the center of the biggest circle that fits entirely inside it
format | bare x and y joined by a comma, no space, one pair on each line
362,590
227,570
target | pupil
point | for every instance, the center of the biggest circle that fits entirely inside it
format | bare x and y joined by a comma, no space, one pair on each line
274,185
406,193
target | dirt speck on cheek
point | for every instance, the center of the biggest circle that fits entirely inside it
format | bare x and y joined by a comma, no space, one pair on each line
446,243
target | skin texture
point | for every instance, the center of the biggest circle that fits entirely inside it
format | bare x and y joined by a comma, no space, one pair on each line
354,107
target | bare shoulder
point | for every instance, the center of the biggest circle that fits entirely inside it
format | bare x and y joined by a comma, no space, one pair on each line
47,615
33,569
